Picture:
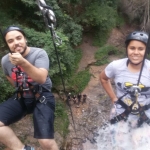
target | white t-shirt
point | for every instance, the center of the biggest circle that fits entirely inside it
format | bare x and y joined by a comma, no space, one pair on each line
124,82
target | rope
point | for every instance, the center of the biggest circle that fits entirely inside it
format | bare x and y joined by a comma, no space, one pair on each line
62,79
50,20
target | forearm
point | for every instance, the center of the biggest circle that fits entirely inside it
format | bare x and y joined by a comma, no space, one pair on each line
105,81
39,75
109,90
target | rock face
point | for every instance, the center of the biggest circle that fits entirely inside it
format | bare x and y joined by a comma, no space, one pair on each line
89,117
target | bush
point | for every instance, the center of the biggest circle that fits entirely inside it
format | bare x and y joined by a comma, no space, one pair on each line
103,53
65,52
5,88
102,17
61,120
78,56
100,37
73,31
79,81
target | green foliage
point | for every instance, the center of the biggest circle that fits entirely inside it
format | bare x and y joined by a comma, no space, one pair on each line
120,21
5,88
73,31
4,21
28,14
74,82
78,56
79,81
100,37
77,53
64,51
103,53
65,22
101,16
28,3
23,11
61,119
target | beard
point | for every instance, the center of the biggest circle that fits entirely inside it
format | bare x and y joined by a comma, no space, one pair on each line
25,48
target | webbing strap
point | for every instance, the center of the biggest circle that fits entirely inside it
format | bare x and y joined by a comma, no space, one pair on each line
118,118
123,116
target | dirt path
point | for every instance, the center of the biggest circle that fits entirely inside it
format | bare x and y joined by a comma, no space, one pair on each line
88,51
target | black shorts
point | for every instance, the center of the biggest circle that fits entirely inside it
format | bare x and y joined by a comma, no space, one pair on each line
43,114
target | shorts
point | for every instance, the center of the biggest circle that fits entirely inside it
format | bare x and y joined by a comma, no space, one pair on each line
13,110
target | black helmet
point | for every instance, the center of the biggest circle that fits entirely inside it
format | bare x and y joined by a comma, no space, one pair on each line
137,35
12,28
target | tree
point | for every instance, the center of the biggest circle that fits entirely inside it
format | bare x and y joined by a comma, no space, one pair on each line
137,11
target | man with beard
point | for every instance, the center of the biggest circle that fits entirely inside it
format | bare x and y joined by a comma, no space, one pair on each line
26,68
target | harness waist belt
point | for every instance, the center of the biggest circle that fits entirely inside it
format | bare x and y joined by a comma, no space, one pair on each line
123,116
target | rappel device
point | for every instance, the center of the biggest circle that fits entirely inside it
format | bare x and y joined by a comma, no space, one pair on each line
50,20
48,14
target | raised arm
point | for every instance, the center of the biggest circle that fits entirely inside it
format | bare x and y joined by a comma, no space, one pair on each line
39,75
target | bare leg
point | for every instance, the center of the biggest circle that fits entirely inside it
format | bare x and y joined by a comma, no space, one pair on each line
48,144
9,139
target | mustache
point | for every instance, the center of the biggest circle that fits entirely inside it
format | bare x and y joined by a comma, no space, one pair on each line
17,45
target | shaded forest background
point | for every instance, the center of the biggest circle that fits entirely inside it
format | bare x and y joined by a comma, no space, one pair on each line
74,19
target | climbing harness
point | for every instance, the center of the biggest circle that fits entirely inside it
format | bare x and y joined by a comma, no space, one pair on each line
135,108
25,89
